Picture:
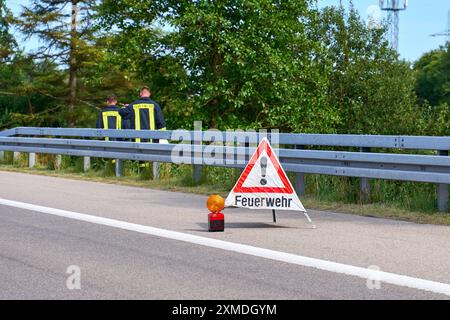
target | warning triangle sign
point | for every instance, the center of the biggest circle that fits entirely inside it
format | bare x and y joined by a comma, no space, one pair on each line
263,184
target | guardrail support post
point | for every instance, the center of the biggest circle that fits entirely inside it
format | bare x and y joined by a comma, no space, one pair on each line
58,161
197,152
156,167
31,160
442,190
299,178
197,174
2,156
86,163
364,184
118,168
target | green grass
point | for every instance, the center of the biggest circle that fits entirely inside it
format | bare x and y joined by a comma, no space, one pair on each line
411,196
412,202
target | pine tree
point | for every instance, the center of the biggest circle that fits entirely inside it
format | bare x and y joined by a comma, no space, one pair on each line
65,32
7,41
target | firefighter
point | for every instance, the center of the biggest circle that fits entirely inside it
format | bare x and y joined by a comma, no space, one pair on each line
109,117
144,113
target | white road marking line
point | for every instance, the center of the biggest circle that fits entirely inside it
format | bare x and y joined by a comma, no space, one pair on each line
392,278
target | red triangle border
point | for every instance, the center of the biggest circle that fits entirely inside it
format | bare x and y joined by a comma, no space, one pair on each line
264,145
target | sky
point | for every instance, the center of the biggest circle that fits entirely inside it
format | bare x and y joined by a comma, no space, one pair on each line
421,19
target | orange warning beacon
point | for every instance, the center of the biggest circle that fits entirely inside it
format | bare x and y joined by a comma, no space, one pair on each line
216,219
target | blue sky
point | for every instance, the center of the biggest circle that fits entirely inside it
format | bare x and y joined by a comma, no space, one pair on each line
421,19
417,23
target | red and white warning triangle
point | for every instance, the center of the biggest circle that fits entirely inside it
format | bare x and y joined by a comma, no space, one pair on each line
263,184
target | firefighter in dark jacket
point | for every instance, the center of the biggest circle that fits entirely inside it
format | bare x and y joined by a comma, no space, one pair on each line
144,114
109,117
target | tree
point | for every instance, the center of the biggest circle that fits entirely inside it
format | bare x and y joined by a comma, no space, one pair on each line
65,31
433,90
433,76
368,84
231,63
29,89
7,42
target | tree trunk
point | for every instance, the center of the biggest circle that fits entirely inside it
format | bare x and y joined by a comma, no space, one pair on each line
73,63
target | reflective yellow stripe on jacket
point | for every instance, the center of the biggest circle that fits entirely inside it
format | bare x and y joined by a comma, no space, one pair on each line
137,116
115,114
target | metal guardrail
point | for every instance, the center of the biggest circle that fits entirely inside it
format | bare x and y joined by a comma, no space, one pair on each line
195,150
343,140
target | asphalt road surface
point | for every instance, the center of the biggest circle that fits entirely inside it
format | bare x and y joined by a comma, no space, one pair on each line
36,249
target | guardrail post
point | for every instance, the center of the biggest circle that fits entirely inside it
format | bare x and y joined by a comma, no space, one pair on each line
156,167
442,190
58,161
197,174
16,156
2,156
364,184
118,168
86,163
197,151
31,160
299,178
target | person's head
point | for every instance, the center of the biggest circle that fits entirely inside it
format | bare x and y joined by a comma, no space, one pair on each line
111,100
145,92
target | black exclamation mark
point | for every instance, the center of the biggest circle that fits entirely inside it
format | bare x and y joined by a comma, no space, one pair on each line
263,163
